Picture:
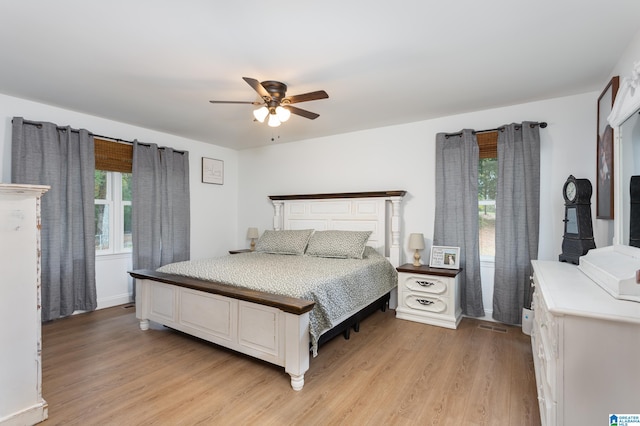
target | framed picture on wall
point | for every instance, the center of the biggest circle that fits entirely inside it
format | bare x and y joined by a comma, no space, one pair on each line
445,257
604,179
212,171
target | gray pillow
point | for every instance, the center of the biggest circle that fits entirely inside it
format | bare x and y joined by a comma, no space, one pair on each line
339,244
283,242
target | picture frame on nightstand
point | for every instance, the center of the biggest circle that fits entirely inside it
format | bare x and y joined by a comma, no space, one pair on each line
445,257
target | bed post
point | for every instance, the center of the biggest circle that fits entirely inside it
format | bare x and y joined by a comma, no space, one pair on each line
297,348
277,217
395,252
142,302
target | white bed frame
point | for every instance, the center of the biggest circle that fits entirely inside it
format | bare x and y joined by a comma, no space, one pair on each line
271,328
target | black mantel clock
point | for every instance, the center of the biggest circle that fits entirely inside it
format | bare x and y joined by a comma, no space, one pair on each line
578,227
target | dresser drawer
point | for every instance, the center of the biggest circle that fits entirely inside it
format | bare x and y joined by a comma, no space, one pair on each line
426,303
546,362
547,323
546,401
545,346
425,283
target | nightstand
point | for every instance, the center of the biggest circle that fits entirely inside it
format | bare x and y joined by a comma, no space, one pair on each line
429,295
239,251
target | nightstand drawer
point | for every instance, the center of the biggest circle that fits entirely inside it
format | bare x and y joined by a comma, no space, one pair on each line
426,303
425,283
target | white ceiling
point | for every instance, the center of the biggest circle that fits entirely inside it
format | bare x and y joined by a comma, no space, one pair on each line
157,63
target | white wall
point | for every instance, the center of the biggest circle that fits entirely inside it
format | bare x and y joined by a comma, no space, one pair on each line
630,56
401,157
213,207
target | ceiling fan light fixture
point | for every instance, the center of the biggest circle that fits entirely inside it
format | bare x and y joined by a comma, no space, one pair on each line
261,113
283,114
273,120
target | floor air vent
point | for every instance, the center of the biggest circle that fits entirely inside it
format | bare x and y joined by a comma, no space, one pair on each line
492,328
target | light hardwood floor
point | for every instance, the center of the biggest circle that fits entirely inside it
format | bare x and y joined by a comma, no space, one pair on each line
99,368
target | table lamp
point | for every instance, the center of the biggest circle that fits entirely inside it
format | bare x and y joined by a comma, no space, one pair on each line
416,242
252,234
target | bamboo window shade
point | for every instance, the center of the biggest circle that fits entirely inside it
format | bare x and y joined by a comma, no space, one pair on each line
113,156
488,144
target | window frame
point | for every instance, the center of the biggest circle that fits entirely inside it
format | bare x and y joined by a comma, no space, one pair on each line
488,148
116,207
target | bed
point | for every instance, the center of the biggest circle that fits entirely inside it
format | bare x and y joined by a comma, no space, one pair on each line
238,303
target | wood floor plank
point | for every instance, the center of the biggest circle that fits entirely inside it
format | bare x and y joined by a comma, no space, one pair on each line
100,368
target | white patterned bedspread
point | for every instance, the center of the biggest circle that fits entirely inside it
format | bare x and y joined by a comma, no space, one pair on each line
340,287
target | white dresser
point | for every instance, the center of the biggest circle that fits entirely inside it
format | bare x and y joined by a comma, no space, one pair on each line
586,348
21,401
429,295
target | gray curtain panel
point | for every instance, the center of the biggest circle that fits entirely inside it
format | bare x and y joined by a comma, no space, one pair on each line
517,219
45,154
161,206
456,221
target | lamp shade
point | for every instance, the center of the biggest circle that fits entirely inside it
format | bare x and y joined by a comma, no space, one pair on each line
252,233
261,113
274,121
283,114
416,241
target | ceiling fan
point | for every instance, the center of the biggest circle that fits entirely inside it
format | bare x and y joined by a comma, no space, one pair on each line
275,103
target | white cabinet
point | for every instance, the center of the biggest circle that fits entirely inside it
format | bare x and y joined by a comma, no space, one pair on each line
586,347
21,401
429,295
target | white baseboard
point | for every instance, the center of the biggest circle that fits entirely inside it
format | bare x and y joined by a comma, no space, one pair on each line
120,299
488,316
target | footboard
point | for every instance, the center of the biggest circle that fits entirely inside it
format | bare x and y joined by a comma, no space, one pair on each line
268,327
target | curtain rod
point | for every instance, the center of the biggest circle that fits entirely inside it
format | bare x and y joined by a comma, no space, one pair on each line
39,125
542,125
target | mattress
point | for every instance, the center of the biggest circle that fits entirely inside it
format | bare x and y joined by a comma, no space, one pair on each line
339,287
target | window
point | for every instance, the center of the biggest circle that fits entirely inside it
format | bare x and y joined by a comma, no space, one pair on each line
112,212
487,188
113,197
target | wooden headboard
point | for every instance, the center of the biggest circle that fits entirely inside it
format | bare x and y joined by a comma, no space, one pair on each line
378,212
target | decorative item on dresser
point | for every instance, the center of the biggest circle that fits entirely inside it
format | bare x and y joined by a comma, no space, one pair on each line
21,399
260,320
585,346
429,295
578,227
416,242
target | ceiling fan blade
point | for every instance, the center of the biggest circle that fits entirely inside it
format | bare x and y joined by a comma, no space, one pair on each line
237,102
311,96
302,112
258,88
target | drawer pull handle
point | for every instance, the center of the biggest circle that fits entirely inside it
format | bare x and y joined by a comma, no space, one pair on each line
424,302
425,283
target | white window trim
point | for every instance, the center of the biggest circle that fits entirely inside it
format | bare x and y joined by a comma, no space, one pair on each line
116,215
